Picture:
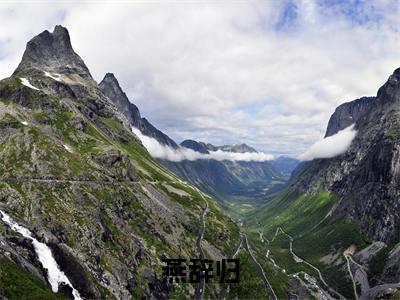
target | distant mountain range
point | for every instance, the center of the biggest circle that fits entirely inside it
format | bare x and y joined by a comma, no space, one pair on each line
225,180
230,181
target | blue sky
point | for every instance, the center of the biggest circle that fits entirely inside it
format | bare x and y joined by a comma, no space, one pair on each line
268,73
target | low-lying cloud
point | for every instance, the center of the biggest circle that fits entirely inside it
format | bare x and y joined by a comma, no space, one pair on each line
331,146
164,152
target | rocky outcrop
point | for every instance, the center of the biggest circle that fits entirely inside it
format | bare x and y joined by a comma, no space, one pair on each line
348,113
111,88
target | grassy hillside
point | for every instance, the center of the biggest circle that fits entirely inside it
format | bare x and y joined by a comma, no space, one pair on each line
318,238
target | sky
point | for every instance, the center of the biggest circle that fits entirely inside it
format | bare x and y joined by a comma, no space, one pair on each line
265,73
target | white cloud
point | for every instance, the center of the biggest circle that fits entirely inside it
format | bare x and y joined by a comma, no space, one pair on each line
164,152
331,146
193,67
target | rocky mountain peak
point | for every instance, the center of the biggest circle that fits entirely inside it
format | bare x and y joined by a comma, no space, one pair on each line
357,111
110,78
195,146
390,91
237,148
349,113
110,85
111,88
52,52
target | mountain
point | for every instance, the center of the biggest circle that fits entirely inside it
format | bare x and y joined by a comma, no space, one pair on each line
196,146
341,213
225,180
237,148
205,148
111,88
79,193
52,52
234,184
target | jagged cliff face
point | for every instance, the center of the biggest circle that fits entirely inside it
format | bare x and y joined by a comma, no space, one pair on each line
111,88
365,178
348,114
72,171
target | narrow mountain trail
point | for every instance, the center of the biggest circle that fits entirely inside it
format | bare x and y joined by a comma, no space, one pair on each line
267,285
360,276
311,281
351,276
263,239
225,288
238,246
200,289
298,259
46,180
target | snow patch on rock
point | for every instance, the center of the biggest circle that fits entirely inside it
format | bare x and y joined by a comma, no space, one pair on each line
54,76
26,82
68,148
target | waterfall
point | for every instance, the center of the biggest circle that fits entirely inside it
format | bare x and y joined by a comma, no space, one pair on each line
46,258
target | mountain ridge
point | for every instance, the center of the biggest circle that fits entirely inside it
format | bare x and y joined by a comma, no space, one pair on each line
111,88
75,175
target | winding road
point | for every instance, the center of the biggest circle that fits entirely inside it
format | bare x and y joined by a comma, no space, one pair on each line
267,285
298,259
225,288
351,276
360,276
50,180
199,292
